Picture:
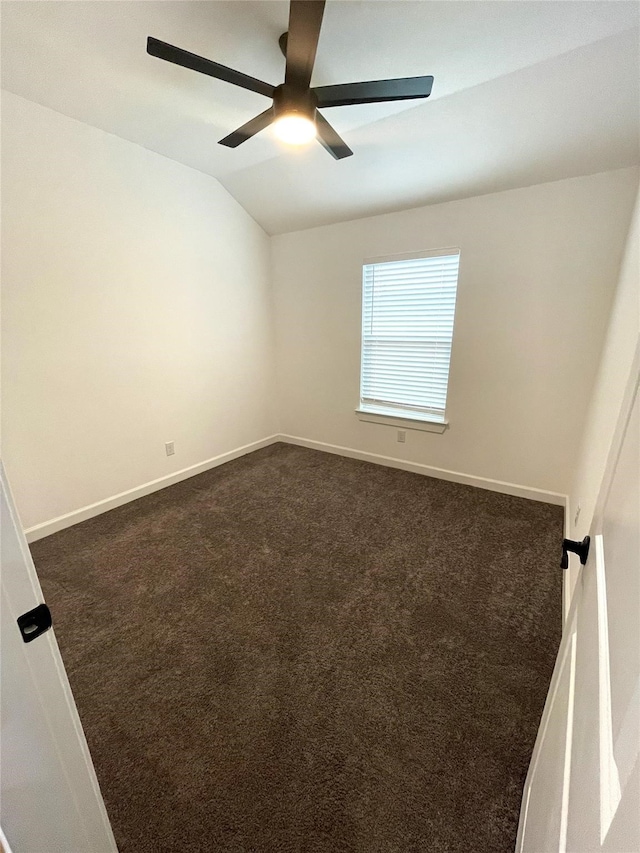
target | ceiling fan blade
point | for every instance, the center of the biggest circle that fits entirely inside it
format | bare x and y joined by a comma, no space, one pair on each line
374,91
248,130
329,139
305,20
206,66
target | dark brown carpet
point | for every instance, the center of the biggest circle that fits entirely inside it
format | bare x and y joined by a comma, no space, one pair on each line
304,653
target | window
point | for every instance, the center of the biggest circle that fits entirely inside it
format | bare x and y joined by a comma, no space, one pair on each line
408,305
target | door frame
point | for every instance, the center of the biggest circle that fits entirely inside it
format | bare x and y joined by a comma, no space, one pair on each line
51,692
632,389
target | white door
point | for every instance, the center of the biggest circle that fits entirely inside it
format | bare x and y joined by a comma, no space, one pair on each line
582,792
50,801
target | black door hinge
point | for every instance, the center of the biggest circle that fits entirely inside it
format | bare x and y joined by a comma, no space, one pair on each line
35,622
579,548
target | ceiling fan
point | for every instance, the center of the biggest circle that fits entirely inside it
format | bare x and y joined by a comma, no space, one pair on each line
295,104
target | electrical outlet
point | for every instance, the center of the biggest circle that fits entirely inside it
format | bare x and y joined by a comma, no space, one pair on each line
170,448
402,436
577,515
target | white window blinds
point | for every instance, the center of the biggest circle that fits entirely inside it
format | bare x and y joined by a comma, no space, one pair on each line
407,326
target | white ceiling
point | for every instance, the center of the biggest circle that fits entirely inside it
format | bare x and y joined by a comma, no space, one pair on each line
524,92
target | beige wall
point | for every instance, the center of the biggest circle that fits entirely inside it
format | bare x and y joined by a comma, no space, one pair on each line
622,339
135,311
538,269
139,300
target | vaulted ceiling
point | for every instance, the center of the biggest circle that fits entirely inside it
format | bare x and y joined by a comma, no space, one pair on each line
524,92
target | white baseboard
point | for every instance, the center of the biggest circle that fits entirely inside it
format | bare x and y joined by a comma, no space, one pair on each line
439,473
46,528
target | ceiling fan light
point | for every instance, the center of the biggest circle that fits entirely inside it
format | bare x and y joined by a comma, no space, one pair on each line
295,129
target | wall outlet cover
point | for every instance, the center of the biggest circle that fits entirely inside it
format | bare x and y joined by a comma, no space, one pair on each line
402,436
170,448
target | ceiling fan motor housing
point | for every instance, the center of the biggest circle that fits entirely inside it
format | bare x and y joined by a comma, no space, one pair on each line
289,100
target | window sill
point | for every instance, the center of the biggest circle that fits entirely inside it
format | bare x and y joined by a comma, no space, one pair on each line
422,424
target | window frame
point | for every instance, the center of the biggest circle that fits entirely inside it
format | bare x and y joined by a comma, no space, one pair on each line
405,418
